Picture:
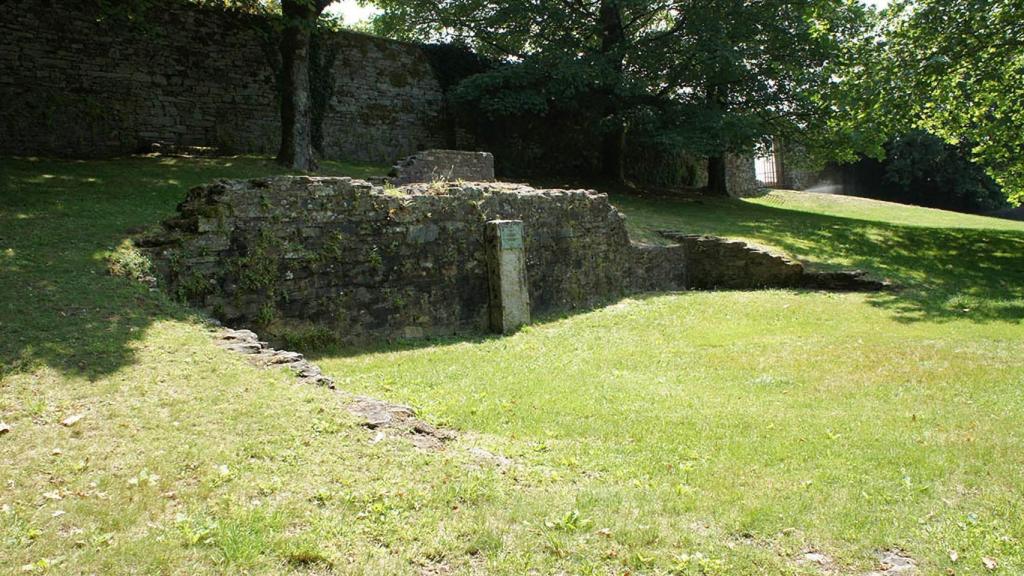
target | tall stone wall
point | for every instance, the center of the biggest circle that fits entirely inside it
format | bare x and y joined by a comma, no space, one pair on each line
369,262
79,81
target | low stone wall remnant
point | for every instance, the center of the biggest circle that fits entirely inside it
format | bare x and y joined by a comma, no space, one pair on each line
368,263
718,263
373,414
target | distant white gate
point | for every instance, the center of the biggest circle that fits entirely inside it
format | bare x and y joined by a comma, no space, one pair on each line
767,169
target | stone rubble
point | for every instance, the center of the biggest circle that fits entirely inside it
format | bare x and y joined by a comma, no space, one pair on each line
375,414
487,457
890,563
443,165
260,353
817,560
894,563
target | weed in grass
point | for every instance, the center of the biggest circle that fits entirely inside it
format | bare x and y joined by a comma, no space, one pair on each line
127,262
304,553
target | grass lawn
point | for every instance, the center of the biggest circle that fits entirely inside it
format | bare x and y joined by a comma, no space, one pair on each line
691,433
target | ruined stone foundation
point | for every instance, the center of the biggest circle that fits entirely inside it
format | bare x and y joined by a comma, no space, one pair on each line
369,263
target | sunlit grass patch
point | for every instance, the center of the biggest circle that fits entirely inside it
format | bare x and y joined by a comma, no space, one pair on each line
692,433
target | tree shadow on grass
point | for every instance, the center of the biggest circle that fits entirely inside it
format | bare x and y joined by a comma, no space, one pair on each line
59,308
58,305
942,273
320,351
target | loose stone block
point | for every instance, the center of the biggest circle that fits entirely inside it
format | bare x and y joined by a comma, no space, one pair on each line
506,266
444,165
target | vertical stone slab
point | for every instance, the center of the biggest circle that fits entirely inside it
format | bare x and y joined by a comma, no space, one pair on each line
506,266
740,176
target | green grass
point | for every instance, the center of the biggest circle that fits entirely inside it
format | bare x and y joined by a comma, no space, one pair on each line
948,265
692,433
59,220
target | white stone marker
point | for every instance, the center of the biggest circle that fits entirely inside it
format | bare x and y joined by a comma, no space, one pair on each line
506,267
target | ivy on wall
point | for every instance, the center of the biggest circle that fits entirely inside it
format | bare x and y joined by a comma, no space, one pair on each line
322,57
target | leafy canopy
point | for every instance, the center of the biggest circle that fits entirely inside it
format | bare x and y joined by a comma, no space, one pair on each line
956,68
717,75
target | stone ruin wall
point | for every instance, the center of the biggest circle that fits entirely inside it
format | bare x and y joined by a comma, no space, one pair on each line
78,81
372,263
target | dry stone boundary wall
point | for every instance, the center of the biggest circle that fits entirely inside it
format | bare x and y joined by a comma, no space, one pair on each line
77,80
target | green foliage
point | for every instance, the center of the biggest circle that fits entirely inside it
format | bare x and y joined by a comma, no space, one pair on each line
667,70
663,163
535,87
192,286
293,335
390,189
248,6
258,270
922,169
454,62
955,69
136,12
534,118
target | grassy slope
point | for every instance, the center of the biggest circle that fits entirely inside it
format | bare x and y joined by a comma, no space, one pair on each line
716,432
950,265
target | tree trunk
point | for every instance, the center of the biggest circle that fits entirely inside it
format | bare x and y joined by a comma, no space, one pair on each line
296,111
613,36
717,101
716,177
613,152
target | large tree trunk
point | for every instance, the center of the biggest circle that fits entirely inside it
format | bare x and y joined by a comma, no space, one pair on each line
613,154
717,101
296,110
613,36
296,113
717,185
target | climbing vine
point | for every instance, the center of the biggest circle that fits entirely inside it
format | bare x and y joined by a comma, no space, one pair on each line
322,56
